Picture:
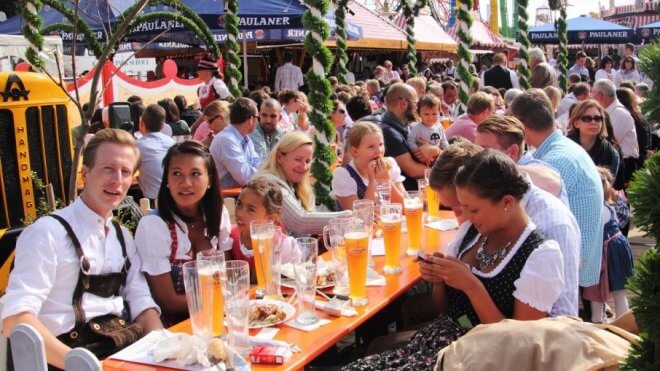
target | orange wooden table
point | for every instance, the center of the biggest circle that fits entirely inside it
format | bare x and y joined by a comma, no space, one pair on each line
312,344
231,192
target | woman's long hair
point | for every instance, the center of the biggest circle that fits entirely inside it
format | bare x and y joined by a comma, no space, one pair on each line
629,100
287,143
211,203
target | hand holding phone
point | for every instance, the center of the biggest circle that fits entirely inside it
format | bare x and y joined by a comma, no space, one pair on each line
422,256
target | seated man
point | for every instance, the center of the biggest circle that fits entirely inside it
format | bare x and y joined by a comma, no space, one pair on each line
479,107
56,268
232,149
266,134
153,146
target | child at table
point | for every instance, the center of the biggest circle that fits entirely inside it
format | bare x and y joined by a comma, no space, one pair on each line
357,179
617,261
259,200
429,130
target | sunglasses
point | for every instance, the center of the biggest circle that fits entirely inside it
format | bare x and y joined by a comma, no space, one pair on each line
587,118
214,117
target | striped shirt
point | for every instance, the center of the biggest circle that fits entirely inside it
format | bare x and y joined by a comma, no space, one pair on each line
585,197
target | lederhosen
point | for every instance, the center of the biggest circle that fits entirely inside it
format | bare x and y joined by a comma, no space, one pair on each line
176,272
361,187
500,287
106,334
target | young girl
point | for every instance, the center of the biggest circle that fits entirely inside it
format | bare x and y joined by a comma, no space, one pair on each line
357,179
429,130
617,263
190,219
260,200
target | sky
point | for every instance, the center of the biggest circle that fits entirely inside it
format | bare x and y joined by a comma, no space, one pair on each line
575,8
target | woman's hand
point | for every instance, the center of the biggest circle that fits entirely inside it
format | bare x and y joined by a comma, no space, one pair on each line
457,274
381,171
431,272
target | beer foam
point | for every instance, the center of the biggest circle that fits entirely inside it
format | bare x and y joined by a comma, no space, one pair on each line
356,235
413,203
390,218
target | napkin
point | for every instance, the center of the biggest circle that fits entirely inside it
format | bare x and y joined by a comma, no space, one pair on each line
307,328
443,224
377,247
334,310
375,279
254,341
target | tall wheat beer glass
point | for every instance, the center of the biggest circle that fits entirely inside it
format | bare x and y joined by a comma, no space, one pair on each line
356,238
414,213
263,238
391,219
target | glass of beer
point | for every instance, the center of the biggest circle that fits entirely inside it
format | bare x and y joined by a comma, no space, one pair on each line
199,299
333,237
262,234
432,197
237,288
413,206
356,238
364,210
211,267
446,122
305,255
391,219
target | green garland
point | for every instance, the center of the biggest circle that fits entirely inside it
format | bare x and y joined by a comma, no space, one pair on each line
409,11
30,12
319,97
234,74
184,10
90,38
562,56
524,74
340,30
464,20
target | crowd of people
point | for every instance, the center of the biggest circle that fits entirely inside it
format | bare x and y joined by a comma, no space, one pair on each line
536,180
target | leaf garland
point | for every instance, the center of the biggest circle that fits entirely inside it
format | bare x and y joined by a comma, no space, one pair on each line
524,74
31,29
464,19
340,31
319,97
234,74
562,55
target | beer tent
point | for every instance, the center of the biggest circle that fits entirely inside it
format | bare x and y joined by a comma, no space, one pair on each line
583,30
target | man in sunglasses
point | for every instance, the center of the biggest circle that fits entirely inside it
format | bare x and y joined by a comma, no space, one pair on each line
604,92
267,134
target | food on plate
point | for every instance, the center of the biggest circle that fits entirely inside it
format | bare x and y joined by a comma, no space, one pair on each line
216,351
324,279
266,314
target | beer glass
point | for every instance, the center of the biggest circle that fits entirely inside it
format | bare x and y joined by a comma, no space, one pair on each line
200,300
432,197
413,207
333,238
262,234
364,210
237,288
384,191
391,219
356,238
305,255
211,267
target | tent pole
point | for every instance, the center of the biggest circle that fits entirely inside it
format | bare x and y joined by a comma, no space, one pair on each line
245,67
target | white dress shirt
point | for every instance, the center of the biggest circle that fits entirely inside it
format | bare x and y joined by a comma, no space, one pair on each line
152,147
624,129
288,76
234,156
46,270
565,104
154,242
541,279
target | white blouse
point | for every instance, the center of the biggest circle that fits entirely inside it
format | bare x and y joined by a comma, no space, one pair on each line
541,280
154,242
343,185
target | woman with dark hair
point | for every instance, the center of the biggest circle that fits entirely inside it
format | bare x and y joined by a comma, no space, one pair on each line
606,70
497,267
629,100
587,128
172,117
190,219
626,72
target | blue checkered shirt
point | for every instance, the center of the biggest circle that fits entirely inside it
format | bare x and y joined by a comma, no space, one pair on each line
585,197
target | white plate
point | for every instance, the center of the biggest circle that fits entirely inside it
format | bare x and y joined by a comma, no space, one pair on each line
287,308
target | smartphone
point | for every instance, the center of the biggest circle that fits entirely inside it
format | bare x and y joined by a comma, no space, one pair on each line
422,256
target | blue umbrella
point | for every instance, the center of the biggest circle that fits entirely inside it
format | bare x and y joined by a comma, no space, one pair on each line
649,31
583,29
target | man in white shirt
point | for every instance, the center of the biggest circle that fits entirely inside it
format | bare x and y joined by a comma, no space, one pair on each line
48,268
288,76
604,92
580,93
153,146
579,66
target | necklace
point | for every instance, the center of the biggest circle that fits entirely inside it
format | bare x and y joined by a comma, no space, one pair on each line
485,259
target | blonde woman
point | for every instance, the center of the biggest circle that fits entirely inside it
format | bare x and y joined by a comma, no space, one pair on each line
555,97
216,118
289,165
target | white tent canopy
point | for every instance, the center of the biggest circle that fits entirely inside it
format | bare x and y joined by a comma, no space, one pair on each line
13,47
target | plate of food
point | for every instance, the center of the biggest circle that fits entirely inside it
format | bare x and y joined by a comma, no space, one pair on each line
325,275
268,312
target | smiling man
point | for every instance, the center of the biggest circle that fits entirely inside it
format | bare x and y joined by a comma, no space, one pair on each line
65,283
266,134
